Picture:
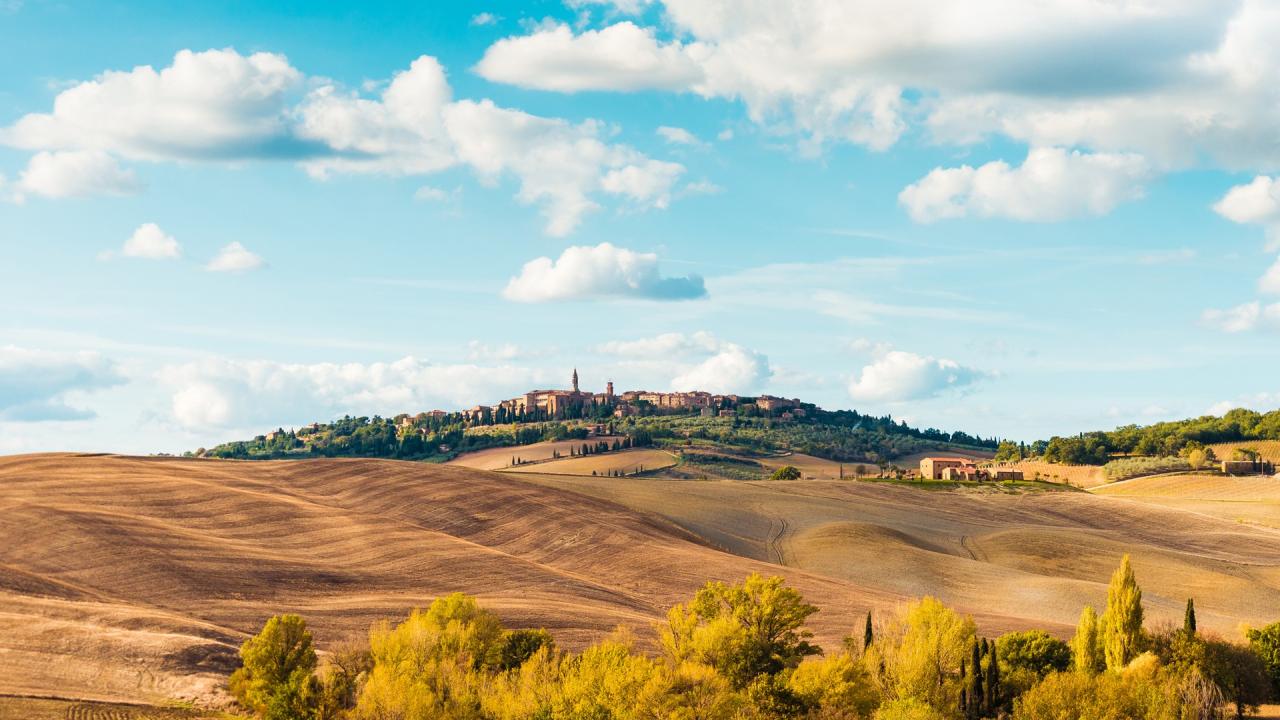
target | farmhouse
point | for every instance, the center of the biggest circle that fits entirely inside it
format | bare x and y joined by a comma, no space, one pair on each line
933,468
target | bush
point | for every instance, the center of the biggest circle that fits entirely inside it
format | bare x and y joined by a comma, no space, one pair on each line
275,680
786,472
1132,467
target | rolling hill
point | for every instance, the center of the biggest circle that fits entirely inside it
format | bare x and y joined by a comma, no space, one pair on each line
134,579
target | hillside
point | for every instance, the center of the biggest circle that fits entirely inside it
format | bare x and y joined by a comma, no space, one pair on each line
1037,557
136,578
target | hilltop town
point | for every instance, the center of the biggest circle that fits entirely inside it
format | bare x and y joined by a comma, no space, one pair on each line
633,417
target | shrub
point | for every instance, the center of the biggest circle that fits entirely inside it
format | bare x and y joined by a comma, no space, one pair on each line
275,680
786,472
1132,467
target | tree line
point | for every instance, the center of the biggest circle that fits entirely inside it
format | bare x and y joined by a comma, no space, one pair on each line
743,652
1165,439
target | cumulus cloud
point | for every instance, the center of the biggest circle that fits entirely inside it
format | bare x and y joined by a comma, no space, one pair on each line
1178,82
1242,318
623,57
400,133
602,271
559,164
216,104
483,19
151,243
1257,202
898,376
219,105
234,257
224,394
38,385
732,369
1051,184
74,173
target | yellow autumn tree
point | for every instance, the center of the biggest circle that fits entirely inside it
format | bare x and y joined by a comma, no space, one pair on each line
1122,621
431,666
918,654
1086,648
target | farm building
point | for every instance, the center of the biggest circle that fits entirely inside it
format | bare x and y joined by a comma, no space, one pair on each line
1247,467
932,467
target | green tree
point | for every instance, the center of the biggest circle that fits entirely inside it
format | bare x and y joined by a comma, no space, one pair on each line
1189,618
1086,646
744,631
1240,673
786,472
517,646
868,635
1122,621
276,677
1265,643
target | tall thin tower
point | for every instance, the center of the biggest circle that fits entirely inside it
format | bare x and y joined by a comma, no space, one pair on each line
575,379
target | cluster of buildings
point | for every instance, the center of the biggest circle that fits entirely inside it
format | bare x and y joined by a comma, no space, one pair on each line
575,402
958,468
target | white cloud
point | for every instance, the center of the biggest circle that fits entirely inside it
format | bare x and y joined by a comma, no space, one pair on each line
223,394
1240,318
1269,283
1051,184
558,164
431,194
401,133
623,57
484,19
1262,402
74,173
151,243
1256,202
898,376
208,105
37,385
678,136
666,345
733,369
234,257
219,105
598,272
1178,82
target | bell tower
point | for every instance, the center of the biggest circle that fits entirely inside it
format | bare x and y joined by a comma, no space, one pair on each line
575,379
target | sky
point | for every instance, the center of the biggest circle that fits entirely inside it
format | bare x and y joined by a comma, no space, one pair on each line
1013,219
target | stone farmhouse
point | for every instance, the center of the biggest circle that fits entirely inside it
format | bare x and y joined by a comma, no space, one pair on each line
958,468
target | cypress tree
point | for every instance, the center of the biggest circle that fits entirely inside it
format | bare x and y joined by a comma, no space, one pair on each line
993,678
1122,621
975,685
868,636
964,693
1189,620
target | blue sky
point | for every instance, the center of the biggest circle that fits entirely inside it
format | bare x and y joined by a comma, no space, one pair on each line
1012,220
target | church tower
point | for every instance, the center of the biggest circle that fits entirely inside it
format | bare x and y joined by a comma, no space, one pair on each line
575,379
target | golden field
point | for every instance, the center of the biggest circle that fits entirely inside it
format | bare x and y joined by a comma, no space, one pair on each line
135,579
